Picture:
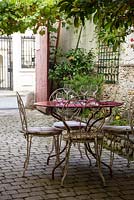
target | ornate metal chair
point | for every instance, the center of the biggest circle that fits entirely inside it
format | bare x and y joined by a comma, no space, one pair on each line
124,133
85,135
69,115
30,132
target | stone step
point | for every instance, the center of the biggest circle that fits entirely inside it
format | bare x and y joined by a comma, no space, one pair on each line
7,93
8,99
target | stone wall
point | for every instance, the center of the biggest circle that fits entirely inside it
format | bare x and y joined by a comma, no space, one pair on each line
124,89
120,145
126,83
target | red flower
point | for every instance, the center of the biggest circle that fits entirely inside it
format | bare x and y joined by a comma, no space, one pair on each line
132,39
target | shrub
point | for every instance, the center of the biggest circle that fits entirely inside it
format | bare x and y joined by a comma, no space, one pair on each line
73,62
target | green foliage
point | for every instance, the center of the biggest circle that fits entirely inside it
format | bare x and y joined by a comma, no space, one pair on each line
20,15
11,16
73,62
119,118
77,71
114,19
119,122
87,85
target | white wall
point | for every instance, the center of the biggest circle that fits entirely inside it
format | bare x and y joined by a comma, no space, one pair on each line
23,79
69,37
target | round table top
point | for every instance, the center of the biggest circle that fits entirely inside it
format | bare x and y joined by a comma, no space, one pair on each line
91,103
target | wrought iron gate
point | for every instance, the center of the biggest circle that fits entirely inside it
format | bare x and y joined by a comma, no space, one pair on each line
6,69
108,63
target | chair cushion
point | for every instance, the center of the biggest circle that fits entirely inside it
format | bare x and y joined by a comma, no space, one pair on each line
44,131
72,124
116,129
119,131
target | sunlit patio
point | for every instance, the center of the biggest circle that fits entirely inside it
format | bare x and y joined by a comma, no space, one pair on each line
82,182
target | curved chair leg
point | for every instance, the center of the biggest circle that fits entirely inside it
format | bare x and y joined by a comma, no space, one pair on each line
127,146
112,151
57,148
88,156
87,145
79,148
100,143
128,156
53,146
50,154
59,164
66,163
97,156
29,142
98,159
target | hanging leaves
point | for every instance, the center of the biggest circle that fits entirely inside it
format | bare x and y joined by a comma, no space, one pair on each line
113,18
20,15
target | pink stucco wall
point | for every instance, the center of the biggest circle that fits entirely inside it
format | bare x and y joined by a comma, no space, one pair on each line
42,67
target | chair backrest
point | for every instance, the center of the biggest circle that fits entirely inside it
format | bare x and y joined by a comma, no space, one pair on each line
62,94
94,120
22,112
89,91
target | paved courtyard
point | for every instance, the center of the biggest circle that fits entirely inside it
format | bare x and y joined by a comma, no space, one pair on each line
82,182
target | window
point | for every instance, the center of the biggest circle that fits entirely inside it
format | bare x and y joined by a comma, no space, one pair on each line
28,52
108,63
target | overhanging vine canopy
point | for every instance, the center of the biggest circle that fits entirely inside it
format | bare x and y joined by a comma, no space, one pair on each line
113,19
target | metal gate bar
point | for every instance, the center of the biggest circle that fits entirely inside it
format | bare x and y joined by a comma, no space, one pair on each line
6,71
108,63
28,52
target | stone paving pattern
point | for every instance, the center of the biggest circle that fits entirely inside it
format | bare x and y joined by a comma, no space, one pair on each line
81,183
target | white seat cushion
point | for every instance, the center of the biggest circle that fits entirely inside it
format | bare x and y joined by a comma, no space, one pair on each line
72,124
43,131
116,129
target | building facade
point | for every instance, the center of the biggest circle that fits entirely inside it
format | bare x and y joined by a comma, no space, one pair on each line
17,62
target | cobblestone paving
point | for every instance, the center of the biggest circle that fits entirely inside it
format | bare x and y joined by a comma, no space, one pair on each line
81,183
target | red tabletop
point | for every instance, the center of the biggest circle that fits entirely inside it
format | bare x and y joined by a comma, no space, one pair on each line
78,104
